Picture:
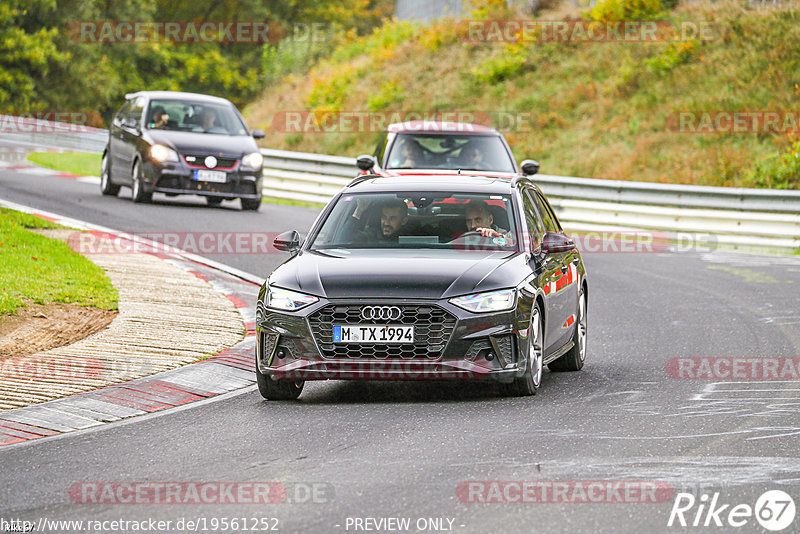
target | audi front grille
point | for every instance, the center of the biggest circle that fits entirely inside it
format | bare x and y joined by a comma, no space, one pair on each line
432,329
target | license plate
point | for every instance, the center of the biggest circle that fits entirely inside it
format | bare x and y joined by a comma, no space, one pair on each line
369,333
202,175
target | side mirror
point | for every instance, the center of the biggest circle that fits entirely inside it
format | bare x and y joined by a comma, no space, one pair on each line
287,241
130,123
553,242
529,167
257,134
365,163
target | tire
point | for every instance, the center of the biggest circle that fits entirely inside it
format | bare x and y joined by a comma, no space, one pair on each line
213,201
138,193
575,358
251,204
106,187
278,389
529,382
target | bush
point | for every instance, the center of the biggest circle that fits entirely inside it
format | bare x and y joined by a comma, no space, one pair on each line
626,10
389,94
780,170
675,54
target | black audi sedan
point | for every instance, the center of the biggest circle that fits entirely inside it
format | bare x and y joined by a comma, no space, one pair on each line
405,279
182,143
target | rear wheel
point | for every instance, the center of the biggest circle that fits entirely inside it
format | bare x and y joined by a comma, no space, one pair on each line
106,187
251,204
139,194
530,381
574,359
213,201
278,389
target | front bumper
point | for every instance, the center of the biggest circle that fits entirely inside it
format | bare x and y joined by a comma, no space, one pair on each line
178,179
478,347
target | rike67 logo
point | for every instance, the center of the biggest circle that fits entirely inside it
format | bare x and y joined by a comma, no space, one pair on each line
774,510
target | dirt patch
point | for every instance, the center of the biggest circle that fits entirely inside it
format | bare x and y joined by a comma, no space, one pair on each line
35,327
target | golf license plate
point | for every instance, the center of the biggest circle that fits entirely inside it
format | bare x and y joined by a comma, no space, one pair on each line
373,333
202,175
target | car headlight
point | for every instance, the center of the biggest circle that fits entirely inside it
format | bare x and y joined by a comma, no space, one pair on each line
492,301
161,153
283,299
254,160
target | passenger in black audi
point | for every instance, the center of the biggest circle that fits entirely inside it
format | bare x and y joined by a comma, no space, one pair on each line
394,217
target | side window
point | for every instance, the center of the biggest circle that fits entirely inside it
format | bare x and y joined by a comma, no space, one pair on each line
123,111
137,109
532,220
381,149
550,221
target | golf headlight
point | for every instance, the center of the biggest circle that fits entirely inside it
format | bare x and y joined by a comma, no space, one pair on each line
283,299
161,153
254,160
492,301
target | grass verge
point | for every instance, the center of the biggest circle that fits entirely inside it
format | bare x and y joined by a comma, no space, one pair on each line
80,163
290,202
43,270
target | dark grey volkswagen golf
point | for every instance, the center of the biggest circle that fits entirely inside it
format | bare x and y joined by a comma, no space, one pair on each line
409,280
182,143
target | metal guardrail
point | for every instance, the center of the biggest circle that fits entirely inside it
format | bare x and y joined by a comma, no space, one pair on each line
738,217
51,134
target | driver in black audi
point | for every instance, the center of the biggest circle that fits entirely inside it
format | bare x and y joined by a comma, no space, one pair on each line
481,220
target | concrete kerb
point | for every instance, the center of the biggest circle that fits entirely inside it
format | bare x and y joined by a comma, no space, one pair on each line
226,371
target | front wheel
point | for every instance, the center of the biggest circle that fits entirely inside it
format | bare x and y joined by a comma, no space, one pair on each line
139,194
529,382
106,187
249,204
278,389
575,358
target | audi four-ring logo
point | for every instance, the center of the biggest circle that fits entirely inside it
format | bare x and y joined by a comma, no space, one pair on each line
380,313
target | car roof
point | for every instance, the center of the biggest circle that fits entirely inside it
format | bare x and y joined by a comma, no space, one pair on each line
446,127
172,95
403,173
433,182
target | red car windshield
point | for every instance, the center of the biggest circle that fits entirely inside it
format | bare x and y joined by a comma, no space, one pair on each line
449,151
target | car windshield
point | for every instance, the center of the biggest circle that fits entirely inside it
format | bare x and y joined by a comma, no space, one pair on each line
197,117
422,220
449,151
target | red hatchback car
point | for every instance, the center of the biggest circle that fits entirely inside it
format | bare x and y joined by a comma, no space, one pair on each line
407,147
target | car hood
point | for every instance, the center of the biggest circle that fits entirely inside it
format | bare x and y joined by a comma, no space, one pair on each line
196,143
426,274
